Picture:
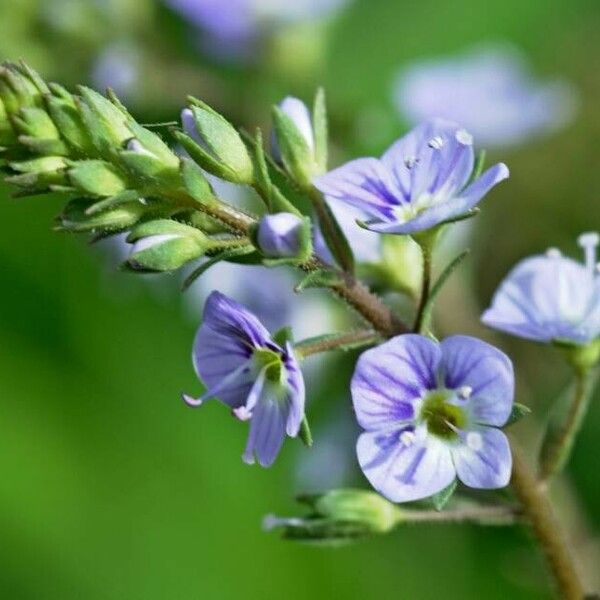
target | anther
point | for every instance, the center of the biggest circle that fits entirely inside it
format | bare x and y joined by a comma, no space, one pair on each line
436,142
474,440
407,438
553,253
464,137
464,392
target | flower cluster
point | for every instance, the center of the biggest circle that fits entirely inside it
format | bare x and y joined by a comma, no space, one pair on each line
432,412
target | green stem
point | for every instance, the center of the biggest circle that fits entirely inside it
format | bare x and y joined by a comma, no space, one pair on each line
558,449
427,252
362,336
547,531
481,515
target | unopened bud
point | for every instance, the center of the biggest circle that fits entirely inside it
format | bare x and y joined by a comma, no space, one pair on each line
215,144
165,245
283,235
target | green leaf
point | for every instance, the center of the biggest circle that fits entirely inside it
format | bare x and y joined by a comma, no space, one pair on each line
517,413
321,278
440,499
320,130
225,255
332,233
439,284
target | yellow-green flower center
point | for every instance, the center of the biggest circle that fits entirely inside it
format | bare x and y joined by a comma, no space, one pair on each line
271,362
443,419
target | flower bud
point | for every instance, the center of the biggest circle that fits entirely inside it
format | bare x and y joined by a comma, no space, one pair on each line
75,218
339,515
97,178
294,141
165,245
215,144
283,235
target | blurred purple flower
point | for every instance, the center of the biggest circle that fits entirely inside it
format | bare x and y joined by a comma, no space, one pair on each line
550,298
490,91
420,182
431,413
238,360
233,27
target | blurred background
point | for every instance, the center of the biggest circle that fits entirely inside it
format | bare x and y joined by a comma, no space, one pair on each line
110,488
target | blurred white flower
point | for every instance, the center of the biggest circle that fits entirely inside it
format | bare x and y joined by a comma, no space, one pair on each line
490,91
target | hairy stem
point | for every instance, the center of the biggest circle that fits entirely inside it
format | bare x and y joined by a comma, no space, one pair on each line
559,447
538,509
361,336
481,515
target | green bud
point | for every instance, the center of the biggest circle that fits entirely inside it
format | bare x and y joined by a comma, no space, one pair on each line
165,245
214,144
97,177
76,218
340,515
107,124
38,174
63,110
18,89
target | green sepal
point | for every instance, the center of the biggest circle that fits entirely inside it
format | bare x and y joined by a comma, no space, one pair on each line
517,413
69,122
321,278
224,255
196,183
223,141
113,201
163,227
147,167
45,147
270,193
440,499
35,122
283,336
319,120
45,164
183,245
107,124
296,154
122,217
203,158
304,433
468,215
97,177
155,145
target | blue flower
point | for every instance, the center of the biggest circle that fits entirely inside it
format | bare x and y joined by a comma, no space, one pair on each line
420,182
550,298
241,364
490,90
431,413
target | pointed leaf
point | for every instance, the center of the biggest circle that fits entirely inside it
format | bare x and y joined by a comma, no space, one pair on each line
441,498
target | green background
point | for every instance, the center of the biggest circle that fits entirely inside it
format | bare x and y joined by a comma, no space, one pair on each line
109,487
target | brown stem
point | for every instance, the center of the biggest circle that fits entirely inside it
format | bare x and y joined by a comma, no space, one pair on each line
538,509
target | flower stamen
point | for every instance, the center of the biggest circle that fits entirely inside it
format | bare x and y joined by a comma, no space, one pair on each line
589,242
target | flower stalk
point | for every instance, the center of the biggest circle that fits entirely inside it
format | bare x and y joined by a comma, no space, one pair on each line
537,508
559,441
